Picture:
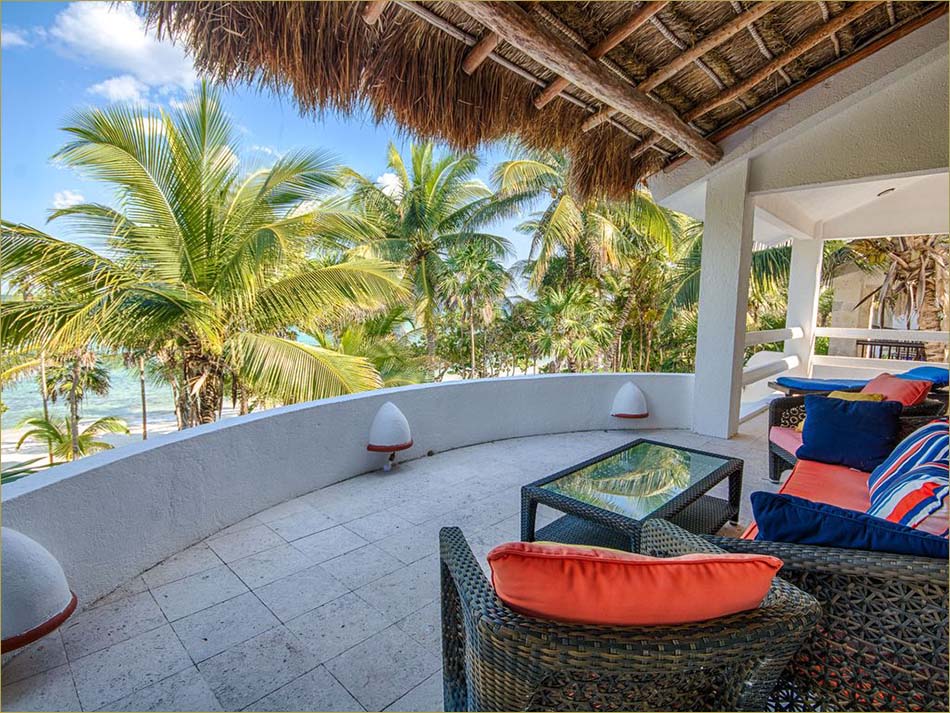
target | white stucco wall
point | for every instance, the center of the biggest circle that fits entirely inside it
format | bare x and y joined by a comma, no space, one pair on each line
110,516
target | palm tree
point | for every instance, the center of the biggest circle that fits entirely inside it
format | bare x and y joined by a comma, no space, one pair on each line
212,266
59,433
475,281
428,210
916,282
76,375
378,339
573,325
591,231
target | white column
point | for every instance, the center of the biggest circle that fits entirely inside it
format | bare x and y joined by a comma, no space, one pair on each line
723,302
804,287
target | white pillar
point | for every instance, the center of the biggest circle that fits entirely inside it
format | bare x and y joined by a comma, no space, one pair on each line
723,302
804,287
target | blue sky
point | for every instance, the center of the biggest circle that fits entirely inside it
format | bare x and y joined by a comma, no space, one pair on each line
57,57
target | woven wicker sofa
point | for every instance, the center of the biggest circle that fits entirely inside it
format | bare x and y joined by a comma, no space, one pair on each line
881,641
787,412
496,659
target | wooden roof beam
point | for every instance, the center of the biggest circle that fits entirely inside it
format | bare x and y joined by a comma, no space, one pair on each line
372,10
672,68
480,52
816,36
616,36
519,30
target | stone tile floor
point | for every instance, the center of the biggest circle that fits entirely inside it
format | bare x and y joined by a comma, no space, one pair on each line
325,602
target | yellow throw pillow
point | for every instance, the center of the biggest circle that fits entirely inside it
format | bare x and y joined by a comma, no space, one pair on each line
846,396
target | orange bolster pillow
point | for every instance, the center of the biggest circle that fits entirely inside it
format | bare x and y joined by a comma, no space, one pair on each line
596,585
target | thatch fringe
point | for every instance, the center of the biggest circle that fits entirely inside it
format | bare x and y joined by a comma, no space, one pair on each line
408,71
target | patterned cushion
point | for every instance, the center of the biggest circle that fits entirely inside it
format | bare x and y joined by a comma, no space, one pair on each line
917,498
911,486
928,444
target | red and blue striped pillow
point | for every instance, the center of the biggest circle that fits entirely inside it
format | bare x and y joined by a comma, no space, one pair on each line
911,486
917,498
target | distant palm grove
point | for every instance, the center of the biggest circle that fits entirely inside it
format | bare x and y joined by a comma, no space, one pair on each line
306,280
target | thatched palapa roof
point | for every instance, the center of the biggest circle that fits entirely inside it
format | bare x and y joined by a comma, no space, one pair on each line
624,88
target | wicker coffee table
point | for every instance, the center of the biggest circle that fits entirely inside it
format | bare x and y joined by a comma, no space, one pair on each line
606,499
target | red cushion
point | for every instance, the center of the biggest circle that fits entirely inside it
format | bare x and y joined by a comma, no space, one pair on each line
595,585
786,438
908,391
823,483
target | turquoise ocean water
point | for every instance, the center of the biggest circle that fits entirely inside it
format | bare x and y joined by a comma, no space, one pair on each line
123,400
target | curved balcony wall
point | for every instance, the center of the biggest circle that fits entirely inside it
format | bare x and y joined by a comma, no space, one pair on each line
110,516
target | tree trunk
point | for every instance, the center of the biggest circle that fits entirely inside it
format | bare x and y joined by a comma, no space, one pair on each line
44,393
928,319
620,326
142,389
430,345
471,333
74,410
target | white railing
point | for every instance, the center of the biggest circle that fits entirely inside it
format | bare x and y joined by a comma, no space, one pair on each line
766,336
750,375
910,335
846,362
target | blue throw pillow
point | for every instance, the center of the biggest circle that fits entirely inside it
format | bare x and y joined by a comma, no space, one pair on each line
786,518
937,374
858,434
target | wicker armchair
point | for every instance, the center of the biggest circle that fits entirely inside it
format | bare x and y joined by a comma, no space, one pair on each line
788,412
881,640
495,659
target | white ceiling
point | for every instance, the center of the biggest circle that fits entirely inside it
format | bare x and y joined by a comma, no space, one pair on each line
917,205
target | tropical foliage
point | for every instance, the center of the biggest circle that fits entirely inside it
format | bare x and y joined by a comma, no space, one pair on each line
211,267
58,434
263,285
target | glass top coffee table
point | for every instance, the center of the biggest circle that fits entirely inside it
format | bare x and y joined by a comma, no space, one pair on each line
607,498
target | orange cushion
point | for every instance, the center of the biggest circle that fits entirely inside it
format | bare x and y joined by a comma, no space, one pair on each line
595,585
908,391
823,483
788,439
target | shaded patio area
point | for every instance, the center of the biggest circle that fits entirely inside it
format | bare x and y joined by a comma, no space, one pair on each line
328,601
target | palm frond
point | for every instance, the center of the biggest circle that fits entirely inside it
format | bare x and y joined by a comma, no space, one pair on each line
291,371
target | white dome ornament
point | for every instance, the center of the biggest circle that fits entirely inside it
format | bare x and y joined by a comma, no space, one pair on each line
389,432
629,402
36,596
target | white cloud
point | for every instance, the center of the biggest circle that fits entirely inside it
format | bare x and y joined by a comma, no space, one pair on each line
266,150
390,184
67,199
114,37
121,89
13,38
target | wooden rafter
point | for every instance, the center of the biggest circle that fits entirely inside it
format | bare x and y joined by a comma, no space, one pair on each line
519,30
480,52
451,30
819,34
901,30
672,68
616,36
372,10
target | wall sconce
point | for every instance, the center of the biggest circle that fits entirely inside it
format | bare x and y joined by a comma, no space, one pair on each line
389,432
629,402
36,596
